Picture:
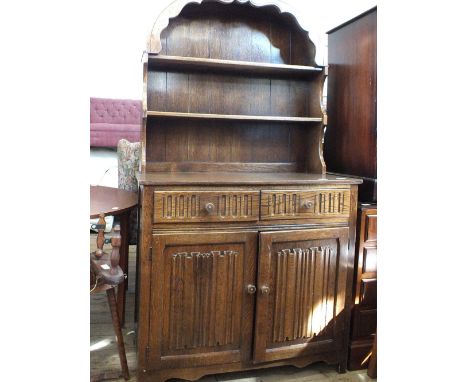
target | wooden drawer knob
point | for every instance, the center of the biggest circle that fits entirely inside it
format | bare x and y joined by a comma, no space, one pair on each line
307,204
210,208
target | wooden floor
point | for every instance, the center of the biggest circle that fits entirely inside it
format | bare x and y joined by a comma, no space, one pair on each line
105,360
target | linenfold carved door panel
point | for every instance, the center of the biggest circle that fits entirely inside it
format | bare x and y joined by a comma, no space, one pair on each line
200,298
301,291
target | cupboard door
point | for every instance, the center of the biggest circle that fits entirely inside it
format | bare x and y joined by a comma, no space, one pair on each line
301,293
201,309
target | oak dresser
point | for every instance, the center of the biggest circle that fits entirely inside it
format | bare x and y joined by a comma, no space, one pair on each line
246,244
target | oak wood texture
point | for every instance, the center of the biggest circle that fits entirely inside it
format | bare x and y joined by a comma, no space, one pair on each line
199,64
260,118
306,288
205,206
232,85
234,178
104,362
232,155
184,255
201,309
351,137
364,315
296,204
117,202
156,40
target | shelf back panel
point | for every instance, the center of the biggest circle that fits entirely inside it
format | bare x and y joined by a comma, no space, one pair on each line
234,143
237,32
233,94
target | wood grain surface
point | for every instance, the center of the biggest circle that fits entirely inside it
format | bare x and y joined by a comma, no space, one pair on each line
233,135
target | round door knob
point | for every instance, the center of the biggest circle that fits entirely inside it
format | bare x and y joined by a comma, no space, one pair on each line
209,207
307,204
251,289
265,289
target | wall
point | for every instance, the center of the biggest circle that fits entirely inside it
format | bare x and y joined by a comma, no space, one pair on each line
123,28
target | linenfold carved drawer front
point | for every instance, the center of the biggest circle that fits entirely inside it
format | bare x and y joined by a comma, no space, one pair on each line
297,204
205,206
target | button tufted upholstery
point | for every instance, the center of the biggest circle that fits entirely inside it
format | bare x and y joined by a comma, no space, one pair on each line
114,119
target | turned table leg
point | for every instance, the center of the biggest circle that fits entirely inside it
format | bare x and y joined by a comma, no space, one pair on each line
118,332
121,294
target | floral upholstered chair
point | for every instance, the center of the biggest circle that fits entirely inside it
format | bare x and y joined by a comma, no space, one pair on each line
128,156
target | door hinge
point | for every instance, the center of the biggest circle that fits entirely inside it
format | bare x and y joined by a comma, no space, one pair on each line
150,254
147,351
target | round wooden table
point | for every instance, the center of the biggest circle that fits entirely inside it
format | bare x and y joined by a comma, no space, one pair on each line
115,202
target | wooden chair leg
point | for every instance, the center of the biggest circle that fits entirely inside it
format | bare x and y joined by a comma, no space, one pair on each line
118,332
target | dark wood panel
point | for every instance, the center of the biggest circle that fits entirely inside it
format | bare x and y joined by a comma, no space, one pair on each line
227,94
199,298
369,261
366,255
368,292
297,204
364,323
242,32
296,313
222,178
220,167
370,228
359,354
351,138
156,92
179,206
234,141
364,317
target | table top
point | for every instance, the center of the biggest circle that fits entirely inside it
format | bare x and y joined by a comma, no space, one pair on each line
110,201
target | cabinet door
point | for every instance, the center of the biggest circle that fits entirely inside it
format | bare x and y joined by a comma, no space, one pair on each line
301,293
201,309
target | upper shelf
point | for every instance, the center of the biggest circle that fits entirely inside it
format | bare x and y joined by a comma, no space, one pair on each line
234,117
193,64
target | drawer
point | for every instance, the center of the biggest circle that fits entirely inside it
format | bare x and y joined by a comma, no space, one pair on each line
205,206
304,204
368,292
364,323
371,228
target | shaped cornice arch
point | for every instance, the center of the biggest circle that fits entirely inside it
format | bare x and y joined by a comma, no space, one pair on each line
174,9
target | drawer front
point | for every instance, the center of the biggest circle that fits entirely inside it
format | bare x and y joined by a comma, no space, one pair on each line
371,228
304,204
364,323
205,206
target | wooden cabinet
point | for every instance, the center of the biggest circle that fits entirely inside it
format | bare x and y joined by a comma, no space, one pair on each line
351,138
244,239
351,149
364,313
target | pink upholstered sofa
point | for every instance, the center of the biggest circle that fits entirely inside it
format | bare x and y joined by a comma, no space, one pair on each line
114,119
